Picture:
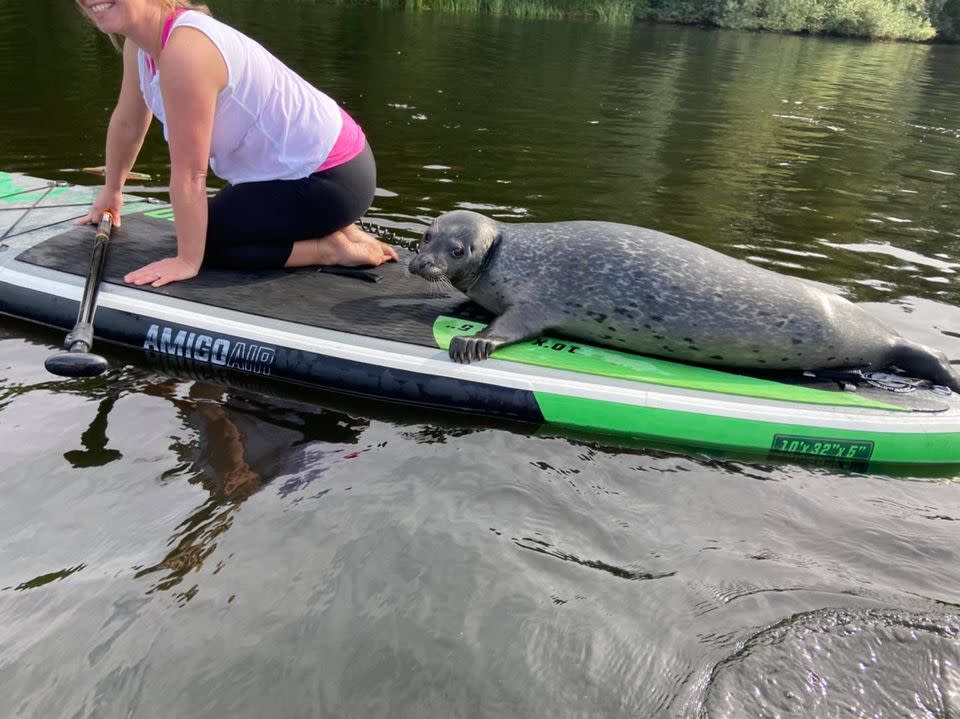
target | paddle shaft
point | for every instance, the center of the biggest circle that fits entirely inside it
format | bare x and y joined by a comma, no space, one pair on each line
80,338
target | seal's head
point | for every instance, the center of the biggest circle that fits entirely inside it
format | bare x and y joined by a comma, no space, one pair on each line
455,247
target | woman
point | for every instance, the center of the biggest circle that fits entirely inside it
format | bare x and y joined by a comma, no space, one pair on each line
299,169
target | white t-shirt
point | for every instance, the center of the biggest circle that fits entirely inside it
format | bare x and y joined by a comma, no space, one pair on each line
270,123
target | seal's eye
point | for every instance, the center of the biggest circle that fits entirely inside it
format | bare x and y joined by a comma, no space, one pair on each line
457,252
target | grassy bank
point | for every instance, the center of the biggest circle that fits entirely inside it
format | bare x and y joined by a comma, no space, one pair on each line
918,20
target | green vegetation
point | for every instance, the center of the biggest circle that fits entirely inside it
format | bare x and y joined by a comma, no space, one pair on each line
881,19
620,11
900,19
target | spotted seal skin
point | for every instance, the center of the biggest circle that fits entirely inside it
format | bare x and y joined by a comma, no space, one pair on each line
647,292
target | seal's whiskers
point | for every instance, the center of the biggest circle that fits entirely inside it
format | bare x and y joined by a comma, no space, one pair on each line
441,287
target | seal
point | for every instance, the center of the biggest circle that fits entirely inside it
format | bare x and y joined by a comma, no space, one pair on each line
643,291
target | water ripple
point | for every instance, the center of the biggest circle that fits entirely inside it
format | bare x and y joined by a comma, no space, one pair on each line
841,662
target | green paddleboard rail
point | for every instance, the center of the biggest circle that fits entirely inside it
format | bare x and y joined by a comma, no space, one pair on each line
783,437
575,356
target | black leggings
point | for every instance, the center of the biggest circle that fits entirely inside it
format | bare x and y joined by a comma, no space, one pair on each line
254,225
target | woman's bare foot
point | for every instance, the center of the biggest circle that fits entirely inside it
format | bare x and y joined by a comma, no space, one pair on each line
340,248
355,234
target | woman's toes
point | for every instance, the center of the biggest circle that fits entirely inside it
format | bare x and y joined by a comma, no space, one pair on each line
360,237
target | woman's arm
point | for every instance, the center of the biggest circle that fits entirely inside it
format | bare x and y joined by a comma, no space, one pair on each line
125,133
192,74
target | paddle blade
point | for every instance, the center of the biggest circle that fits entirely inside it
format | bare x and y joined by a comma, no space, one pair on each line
76,364
102,171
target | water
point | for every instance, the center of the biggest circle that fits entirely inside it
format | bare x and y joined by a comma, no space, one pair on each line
208,547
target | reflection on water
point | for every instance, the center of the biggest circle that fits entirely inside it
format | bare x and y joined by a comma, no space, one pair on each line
95,452
237,445
191,546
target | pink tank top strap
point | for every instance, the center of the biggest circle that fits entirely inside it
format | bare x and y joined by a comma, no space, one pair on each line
167,29
168,25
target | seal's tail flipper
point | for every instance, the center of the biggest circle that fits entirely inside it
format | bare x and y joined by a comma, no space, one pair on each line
925,363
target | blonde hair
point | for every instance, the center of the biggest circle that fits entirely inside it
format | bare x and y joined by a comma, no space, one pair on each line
167,6
172,5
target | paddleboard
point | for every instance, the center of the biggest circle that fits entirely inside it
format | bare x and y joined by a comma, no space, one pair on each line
383,333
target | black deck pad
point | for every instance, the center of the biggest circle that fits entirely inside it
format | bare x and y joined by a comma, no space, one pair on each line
400,307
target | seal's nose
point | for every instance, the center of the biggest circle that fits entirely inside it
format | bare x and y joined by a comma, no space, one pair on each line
421,265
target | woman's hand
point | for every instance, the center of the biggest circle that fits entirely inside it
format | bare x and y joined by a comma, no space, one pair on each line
107,201
162,272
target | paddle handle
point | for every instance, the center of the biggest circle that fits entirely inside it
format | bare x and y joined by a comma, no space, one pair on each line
105,226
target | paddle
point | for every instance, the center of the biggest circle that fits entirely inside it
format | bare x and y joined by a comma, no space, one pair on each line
102,171
78,361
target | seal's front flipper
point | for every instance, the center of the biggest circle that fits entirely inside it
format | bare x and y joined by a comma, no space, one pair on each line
508,328
471,349
924,362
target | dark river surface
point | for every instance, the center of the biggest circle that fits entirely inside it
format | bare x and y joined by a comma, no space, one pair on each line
176,546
